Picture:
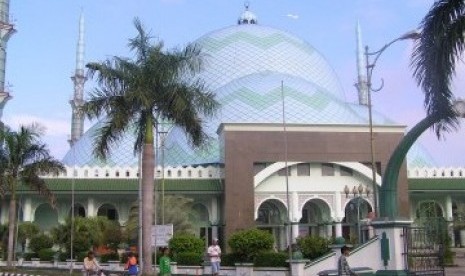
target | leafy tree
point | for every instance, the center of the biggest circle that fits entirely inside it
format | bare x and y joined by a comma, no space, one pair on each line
27,230
435,57
177,212
157,85
88,233
23,158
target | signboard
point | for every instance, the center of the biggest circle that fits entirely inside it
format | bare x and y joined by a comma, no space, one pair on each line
161,234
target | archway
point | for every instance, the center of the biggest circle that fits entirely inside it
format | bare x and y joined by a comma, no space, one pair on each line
200,219
46,217
356,211
109,211
79,211
271,216
315,219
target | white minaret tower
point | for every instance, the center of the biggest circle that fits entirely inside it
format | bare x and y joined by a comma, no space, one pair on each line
6,30
362,83
77,119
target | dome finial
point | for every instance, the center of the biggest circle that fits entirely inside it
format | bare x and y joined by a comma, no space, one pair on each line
247,17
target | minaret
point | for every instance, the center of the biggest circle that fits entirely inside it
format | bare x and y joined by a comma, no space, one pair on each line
247,17
6,30
77,119
362,83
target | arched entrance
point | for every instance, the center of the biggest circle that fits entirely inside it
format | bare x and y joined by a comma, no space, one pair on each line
200,219
357,211
315,219
271,216
109,211
46,217
79,211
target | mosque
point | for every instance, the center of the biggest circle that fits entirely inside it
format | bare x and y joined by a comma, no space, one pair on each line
288,152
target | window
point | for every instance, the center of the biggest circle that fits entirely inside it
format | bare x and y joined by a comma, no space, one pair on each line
327,169
169,173
346,171
179,173
127,173
117,174
200,173
303,169
189,173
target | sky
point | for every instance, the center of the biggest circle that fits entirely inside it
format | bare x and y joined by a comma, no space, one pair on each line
41,55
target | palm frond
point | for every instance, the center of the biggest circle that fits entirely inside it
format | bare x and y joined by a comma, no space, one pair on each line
435,57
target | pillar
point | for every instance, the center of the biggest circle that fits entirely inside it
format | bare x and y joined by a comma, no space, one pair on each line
27,209
4,212
329,231
450,219
392,244
90,207
338,229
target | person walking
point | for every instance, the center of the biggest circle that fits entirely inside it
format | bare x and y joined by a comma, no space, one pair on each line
165,262
343,268
214,252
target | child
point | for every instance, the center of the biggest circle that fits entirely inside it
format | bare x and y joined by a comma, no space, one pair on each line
165,262
131,264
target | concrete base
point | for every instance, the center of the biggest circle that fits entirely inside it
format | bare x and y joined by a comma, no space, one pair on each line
391,273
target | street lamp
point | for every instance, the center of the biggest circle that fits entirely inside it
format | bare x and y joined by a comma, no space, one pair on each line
369,66
358,193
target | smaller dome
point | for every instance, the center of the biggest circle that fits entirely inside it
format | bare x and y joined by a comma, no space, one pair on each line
247,17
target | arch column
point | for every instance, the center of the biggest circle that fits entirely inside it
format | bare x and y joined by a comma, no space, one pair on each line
27,209
4,212
91,207
214,217
450,218
295,216
339,214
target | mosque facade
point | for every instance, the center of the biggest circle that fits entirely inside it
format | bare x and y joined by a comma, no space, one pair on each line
288,154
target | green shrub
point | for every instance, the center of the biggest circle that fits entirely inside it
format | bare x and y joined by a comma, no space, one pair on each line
39,242
271,259
247,244
313,247
112,256
181,243
188,258
46,254
228,259
29,255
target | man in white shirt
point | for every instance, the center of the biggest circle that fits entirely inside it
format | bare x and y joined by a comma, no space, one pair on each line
214,252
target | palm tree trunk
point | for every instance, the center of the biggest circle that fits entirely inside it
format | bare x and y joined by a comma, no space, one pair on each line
11,230
148,166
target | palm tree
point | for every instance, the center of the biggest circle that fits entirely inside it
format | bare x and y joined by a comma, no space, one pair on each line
435,57
137,94
23,158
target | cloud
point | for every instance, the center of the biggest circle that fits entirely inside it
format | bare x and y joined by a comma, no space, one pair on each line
292,16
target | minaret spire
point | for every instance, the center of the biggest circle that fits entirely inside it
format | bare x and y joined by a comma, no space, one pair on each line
6,30
362,83
77,119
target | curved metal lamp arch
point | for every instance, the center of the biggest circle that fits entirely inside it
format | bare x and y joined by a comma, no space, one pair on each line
388,194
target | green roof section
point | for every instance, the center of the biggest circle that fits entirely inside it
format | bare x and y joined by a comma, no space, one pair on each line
436,184
129,185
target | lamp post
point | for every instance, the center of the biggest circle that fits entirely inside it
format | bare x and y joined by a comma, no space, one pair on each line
369,66
358,194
